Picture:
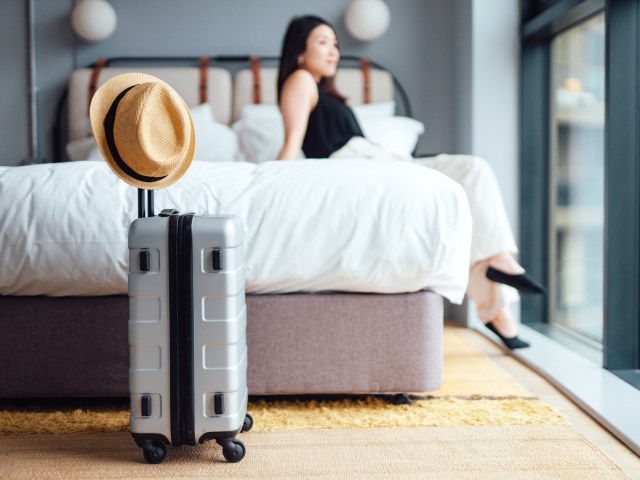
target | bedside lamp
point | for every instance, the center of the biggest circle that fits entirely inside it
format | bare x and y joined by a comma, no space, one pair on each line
366,20
93,20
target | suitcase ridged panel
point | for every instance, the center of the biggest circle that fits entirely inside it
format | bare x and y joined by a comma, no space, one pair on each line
149,326
218,308
220,363
231,329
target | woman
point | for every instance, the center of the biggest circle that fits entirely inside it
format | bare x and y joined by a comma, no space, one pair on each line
317,120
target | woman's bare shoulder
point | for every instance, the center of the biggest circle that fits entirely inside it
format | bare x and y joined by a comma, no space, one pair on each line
301,80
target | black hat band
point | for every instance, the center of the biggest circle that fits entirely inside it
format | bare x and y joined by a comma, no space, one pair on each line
109,123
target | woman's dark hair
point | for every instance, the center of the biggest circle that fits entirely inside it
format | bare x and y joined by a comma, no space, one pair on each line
294,44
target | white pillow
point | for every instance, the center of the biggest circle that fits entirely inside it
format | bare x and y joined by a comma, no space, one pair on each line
83,149
394,134
215,142
260,140
260,112
261,132
374,110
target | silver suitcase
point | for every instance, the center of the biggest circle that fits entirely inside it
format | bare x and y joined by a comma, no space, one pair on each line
187,324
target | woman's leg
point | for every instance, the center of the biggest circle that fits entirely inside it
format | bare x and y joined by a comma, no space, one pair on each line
491,235
492,300
490,297
506,263
492,242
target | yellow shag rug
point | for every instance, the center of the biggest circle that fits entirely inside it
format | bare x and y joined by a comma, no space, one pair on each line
376,412
475,391
295,415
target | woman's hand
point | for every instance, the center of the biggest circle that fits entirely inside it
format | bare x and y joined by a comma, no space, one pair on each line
299,96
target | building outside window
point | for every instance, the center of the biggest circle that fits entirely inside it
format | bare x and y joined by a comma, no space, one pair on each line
576,214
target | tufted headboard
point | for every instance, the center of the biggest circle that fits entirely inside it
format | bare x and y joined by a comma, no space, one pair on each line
226,93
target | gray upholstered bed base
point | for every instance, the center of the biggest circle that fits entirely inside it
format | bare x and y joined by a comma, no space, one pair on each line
298,344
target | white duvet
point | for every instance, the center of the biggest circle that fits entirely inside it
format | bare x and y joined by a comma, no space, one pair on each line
314,225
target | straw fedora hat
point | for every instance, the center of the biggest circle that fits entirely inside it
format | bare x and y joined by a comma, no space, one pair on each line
143,129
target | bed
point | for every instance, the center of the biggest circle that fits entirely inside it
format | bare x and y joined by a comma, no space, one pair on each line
347,260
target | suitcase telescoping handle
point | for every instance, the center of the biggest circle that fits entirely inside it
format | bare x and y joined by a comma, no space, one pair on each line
146,197
142,201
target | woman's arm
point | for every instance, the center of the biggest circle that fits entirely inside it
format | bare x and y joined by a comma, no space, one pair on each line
299,96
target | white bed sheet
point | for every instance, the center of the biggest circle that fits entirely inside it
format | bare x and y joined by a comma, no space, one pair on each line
312,225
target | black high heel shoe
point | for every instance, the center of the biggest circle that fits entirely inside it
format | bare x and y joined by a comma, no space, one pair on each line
522,282
511,342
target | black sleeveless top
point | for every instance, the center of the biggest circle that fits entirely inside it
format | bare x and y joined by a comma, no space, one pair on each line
331,125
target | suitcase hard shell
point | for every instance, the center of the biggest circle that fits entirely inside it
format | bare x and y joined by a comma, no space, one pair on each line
187,340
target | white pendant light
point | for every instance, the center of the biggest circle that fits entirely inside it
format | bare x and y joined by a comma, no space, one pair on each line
366,20
93,20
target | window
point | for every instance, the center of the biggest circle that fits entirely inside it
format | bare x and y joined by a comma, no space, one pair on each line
576,215
580,175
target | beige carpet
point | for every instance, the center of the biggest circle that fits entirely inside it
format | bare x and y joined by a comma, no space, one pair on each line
504,453
481,425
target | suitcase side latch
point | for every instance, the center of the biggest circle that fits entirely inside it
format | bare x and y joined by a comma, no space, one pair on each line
145,261
145,406
218,404
217,259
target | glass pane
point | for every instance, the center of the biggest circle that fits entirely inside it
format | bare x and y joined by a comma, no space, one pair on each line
577,191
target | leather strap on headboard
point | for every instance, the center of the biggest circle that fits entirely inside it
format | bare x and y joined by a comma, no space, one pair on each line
93,82
204,80
255,72
365,67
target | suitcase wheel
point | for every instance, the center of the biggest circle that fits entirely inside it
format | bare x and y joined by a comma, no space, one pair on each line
232,450
154,451
247,424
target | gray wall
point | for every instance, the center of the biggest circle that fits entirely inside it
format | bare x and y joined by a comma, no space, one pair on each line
486,80
418,48
14,112
496,53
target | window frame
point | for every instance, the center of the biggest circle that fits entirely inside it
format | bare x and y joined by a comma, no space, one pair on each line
621,335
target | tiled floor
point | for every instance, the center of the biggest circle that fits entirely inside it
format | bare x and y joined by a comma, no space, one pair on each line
627,460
